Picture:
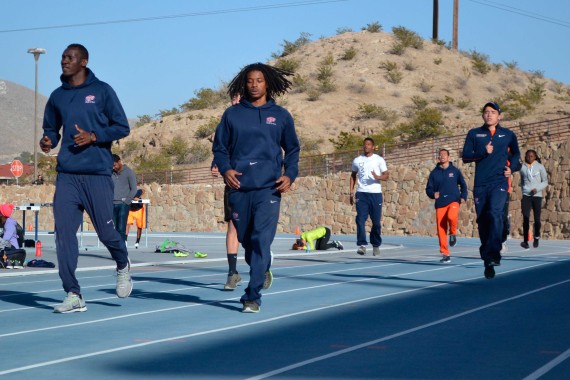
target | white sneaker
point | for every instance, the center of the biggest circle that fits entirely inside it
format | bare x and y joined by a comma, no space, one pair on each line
504,249
136,245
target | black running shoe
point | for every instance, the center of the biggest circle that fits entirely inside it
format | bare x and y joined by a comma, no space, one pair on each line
535,243
489,272
525,245
452,240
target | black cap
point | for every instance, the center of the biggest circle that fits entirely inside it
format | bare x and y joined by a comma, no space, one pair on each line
116,158
493,105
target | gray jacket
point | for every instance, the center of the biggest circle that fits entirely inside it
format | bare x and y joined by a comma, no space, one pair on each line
125,186
533,177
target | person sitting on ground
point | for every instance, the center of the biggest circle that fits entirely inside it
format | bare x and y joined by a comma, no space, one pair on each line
9,238
317,239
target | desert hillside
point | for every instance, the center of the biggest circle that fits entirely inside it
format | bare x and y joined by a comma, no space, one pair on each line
359,65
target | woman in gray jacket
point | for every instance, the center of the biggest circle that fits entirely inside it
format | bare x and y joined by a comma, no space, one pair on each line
533,181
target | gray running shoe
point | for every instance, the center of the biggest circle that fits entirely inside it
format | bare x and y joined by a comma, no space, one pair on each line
124,282
71,304
361,250
267,281
233,281
376,251
339,245
250,307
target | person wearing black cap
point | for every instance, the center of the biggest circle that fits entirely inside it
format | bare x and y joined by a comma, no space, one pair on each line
495,151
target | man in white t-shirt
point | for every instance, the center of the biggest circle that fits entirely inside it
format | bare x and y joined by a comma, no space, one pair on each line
368,170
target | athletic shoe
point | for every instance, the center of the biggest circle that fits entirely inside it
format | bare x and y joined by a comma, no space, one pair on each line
445,259
250,307
489,272
124,282
376,251
268,280
71,304
200,255
233,281
535,243
136,245
9,264
339,245
495,263
524,244
361,250
16,264
181,254
504,248
452,240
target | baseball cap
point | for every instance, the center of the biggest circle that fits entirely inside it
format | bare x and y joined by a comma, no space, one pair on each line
493,105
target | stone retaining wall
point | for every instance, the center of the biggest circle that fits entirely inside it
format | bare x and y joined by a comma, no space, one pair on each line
325,201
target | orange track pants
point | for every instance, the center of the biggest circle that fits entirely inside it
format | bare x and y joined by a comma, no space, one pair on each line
446,216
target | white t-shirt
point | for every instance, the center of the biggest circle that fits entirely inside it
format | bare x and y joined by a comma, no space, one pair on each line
364,166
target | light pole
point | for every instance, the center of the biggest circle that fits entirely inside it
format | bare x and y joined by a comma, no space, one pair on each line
36,52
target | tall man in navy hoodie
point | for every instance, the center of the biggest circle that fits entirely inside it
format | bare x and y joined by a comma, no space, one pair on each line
256,149
447,186
495,151
84,116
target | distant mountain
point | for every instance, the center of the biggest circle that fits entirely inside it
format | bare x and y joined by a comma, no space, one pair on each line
17,120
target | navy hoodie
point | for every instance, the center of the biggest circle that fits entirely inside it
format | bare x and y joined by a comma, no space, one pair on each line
445,182
94,107
249,140
489,167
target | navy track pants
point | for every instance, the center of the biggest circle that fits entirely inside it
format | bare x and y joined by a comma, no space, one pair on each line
490,208
255,215
75,193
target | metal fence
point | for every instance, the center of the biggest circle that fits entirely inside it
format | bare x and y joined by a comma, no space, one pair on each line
554,131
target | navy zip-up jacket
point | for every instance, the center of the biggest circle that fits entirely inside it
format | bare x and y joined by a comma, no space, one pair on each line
446,181
249,140
489,167
94,107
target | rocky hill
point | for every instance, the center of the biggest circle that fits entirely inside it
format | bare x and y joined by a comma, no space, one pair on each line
17,120
366,69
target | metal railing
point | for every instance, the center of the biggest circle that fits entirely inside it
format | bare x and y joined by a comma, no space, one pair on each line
549,131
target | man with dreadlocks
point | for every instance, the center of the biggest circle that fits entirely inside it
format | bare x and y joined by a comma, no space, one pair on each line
248,151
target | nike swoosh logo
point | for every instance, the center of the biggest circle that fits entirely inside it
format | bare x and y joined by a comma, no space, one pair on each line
109,221
501,135
445,196
253,163
272,201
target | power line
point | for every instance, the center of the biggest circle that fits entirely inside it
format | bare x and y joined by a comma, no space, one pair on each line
522,12
195,14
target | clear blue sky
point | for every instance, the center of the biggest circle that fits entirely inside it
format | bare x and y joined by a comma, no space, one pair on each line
159,64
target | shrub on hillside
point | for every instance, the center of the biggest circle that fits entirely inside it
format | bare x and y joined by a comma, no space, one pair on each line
205,98
291,47
291,65
164,113
480,62
343,30
206,130
349,54
143,119
177,149
407,37
426,124
374,27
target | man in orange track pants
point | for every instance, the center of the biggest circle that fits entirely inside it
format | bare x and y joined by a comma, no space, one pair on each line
447,186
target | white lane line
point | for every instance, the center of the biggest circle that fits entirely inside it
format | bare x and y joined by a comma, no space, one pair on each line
548,366
401,333
284,369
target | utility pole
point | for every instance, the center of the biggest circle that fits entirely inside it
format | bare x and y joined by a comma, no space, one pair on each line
435,20
455,23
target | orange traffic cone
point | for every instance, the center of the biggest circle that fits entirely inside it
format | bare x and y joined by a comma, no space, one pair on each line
30,228
297,231
529,236
38,248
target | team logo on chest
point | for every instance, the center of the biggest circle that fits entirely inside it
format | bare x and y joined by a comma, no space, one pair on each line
451,175
270,120
90,99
